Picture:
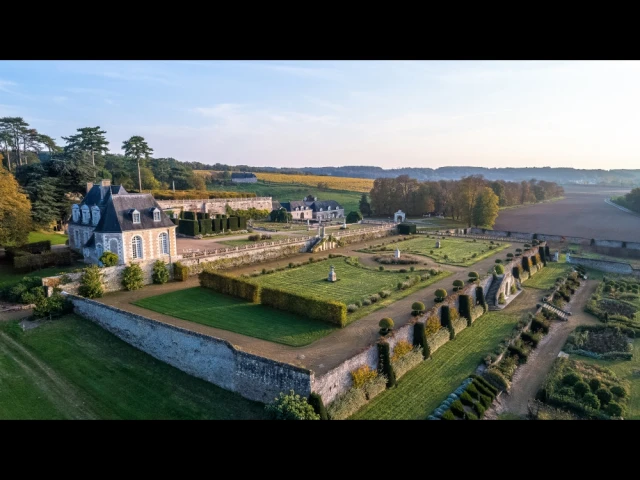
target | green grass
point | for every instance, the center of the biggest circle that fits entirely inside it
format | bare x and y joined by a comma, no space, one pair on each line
9,277
354,283
246,241
93,374
287,192
434,223
624,369
55,238
204,306
458,250
421,390
530,204
546,278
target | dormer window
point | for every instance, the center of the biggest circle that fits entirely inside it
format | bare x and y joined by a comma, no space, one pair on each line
135,216
95,215
85,214
75,212
156,214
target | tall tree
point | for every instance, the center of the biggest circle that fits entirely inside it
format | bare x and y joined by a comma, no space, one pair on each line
486,208
50,144
15,128
469,189
136,147
365,207
6,141
90,140
48,203
15,211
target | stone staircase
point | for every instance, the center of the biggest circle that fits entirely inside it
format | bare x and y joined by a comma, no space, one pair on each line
561,313
492,294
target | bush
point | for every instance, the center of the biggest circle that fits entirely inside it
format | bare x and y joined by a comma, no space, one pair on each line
362,375
591,400
417,308
581,388
571,379
458,284
618,391
291,407
457,408
188,227
473,275
480,409
385,365
180,272
91,282
614,409
228,285
374,298
402,348
466,399
352,307
498,261
501,299
23,261
109,259
325,310
384,293
441,294
133,277
386,324
466,308
316,402
499,269
594,384
160,273
448,415
604,395
52,306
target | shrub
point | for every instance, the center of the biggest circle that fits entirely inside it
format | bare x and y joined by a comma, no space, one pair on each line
614,409
374,298
384,293
441,294
402,348
466,399
581,388
513,288
316,402
319,309
381,268
109,259
473,275
448,415
510,255
180,272
91,282
52,306
457,284
362,375
160,273
133,277
618,391
352,307
24,261
433,271
528,337
498,261
496,378
501,299
594,384
291,407
386,324
466,308
385,365
499,269
457,408
604,395
480,409
417,308
366,302
591,400
571,379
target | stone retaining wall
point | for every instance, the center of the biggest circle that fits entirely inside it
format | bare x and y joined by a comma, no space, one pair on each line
604,265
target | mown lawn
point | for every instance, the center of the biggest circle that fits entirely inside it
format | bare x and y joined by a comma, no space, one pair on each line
201,305
245,241
422,389
70,368
8,276
459,251
354,283
55,238
628,370
546,278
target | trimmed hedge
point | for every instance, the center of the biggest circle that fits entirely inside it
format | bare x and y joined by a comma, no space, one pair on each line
205,226
216,225
406,228
420,339
438,339
242,223
232,223
310,307
189,215
316,402
27,261
384,364
189,227
229,285
180,272
466,308
480,296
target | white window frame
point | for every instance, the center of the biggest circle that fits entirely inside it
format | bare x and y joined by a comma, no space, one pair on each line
137,253
163,243
135,215
156,216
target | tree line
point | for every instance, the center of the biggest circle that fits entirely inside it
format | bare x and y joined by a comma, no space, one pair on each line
470,199
55,176
631,200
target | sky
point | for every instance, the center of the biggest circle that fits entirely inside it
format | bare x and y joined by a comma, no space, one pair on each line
391,114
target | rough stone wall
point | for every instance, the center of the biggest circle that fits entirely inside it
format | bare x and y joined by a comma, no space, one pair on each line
205,357
85,234
337,381
217,205
628,252
111,278
355,237
603,265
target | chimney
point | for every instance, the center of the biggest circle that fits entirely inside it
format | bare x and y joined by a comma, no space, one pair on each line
105,183
89,186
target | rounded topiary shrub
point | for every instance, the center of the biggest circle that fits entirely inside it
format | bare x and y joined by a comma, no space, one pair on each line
132,277
614,409
618,391
417,308
590,400
109,259
386,325
440,294
473,275
581,388
595,384
571,378
604,395
291,407
498,260
160,273
499,269
91,282
457,284
509,255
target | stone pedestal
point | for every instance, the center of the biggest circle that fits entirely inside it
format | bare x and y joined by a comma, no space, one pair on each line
332,275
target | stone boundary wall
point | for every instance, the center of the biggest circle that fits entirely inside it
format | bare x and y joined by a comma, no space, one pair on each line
217,205
111,278
604,265
209,358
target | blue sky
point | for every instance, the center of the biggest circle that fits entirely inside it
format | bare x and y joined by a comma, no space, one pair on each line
329,113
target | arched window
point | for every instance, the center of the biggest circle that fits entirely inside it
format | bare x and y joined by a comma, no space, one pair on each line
113,245
75,211
99,250
85,214
136,246
163,243
95,215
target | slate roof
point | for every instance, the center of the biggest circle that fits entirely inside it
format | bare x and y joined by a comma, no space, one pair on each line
98,194
314,206
243,175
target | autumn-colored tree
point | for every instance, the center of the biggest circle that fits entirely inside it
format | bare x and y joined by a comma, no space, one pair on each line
470,188
15,211
486,208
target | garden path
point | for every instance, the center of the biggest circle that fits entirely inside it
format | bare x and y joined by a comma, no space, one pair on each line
530,376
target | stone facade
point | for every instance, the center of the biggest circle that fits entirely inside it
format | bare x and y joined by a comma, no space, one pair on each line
603,265
209,358
216,205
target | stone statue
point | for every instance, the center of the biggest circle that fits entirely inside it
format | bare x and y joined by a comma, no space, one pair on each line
332,275
397,253
437,243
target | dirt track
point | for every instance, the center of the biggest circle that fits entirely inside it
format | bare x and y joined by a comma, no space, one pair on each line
530,376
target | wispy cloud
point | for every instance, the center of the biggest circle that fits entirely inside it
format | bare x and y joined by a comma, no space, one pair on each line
220,110
296,70
60,99
108,101
152,72
5,86
98,92
324,104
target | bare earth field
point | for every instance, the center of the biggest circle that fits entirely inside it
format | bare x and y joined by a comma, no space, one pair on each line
583,213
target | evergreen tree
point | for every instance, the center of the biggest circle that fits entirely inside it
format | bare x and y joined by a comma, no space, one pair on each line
365,207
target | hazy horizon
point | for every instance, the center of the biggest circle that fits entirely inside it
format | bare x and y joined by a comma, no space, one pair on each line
389,114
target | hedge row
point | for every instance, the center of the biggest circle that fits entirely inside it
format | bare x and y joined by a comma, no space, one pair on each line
205,226
466,308
384,364
310,307
229,285
180,272
28,261
188,227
